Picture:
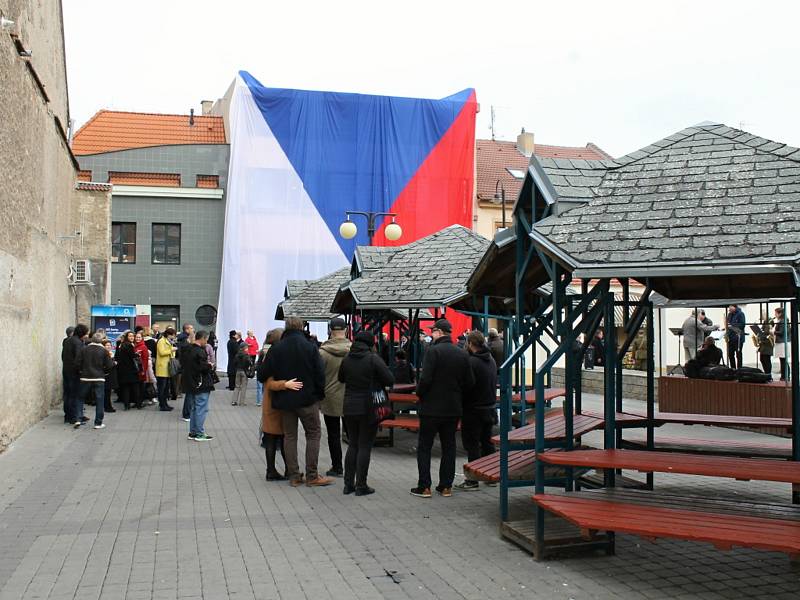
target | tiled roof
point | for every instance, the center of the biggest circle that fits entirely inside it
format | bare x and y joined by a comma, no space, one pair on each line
84,175
93,187
311,300
493,158
109,130
156,179
423,274
706,195
370,258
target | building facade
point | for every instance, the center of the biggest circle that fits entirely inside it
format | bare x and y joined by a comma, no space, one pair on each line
54,231
168,173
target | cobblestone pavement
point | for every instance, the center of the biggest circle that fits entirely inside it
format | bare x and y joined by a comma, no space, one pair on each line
137,511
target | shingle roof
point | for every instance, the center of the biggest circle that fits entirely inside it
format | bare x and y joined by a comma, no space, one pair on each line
494,158
93,187
311,300
109,130
423,274
369,258
708,194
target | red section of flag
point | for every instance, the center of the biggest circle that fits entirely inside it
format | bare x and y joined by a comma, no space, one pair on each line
440,192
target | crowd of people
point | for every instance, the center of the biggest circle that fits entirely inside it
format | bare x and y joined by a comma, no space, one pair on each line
298,379
142,367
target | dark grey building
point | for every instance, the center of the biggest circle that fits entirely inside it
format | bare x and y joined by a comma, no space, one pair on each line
168,209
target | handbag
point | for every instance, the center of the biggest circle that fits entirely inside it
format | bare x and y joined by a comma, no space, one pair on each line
380,408
150,391
174,367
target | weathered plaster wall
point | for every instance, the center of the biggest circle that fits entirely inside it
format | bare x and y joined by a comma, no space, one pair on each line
39,207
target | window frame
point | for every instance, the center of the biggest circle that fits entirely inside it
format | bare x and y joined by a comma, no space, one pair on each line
122,244
165,244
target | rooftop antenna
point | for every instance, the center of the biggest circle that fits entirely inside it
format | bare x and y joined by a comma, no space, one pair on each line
491,126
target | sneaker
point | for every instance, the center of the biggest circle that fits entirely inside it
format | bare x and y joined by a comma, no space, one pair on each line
185,419
420,492
319,481
335,473
101,426
191,436
444,491
166,408
234,404
76,425
203,437
275,476
296,482
364,491
467,486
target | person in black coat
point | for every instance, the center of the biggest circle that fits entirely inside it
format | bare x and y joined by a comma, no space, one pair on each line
362,372
446,375
402,370
127,372
297,358
70,348
479,404
234,341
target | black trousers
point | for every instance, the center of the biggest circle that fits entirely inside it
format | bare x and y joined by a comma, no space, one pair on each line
130,393
766,363
734,355
231,375
476,433
361,432
333,427
163,391
429,428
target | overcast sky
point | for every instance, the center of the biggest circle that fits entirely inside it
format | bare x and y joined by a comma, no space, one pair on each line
620,74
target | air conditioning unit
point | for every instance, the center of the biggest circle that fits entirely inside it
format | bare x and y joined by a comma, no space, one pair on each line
82,272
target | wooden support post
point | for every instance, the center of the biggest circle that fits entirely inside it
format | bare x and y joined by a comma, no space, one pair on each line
651,394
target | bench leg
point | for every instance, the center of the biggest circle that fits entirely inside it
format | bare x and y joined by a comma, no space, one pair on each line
796,493
611,546
650,481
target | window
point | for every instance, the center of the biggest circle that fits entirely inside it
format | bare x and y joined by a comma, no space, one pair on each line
165,316
123,242
166,244
206,315
516,173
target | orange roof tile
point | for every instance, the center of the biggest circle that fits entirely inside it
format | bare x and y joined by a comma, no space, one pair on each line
208,181
109,130
494,158
157,179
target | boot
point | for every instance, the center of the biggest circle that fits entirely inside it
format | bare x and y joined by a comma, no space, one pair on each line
269,451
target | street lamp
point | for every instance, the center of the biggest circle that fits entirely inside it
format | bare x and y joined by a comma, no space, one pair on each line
348,229
500,198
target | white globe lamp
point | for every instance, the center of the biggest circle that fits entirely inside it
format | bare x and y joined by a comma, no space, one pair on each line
348,230
393,232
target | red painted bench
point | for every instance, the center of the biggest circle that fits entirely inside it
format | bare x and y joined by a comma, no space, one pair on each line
521,465
742,469
554,428
408,422
722,420
764,527
762,449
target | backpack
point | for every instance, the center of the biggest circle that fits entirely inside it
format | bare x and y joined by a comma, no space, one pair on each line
751,375
718,373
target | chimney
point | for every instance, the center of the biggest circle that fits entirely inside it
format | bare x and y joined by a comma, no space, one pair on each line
525,143
191,116
206,106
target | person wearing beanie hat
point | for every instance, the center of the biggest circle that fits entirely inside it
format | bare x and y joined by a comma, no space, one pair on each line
332,352
446,376
362,372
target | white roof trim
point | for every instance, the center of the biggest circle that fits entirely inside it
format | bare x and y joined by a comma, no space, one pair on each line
153,191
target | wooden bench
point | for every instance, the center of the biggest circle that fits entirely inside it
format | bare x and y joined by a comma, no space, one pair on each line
722,420
741,469
521,466
408,422
554,428
404,398
650,516
759,449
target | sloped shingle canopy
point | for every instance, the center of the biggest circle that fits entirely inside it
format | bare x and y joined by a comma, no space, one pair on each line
423,274
310,300
709,200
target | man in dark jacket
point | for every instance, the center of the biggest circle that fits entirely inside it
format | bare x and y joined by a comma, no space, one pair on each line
297,358
93,364
197,385
72,346
64,380
446,375
234,342
736,322
495,344
479,404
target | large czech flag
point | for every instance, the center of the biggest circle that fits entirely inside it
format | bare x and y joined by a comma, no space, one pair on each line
300,159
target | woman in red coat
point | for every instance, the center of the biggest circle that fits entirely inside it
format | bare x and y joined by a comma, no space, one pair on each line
140,348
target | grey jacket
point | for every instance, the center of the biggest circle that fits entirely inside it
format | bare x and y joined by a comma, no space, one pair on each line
695,331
